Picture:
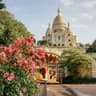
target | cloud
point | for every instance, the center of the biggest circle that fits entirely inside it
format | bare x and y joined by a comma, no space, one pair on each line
83,17
86,16
74,20
88,4
67,2
80,26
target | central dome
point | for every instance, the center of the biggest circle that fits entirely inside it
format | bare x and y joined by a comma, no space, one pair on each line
58,22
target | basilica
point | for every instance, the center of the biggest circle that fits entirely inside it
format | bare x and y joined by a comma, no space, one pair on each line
59,33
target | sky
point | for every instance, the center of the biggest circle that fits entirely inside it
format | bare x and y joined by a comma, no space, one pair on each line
37,14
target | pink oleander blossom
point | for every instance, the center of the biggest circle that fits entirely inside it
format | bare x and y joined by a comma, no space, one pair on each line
40,54
8,76
32,65
31,51
24,89
11,77
22,53
5,75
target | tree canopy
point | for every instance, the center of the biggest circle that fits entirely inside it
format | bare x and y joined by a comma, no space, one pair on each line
92,47
44,43
78,64
2,5
10,28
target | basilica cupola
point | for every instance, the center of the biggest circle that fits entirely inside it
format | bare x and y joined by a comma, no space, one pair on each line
59,34
58,22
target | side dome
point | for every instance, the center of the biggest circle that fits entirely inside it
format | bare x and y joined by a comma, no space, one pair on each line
58,22
48,31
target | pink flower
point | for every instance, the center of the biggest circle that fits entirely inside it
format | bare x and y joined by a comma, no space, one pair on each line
14,65
31,51
13,47
2,54
22,62
31,63
8,76
19,62
2,48
40,53
11,77
29,39
32,66
23,89
18,42
8,50
5,75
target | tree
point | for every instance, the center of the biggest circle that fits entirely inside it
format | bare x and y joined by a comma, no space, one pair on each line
10,28
87,46
78,64
44,43
92,47
2,5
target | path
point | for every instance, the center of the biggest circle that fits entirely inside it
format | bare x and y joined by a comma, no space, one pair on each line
64,90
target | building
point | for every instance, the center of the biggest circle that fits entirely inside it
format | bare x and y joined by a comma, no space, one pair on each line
60,34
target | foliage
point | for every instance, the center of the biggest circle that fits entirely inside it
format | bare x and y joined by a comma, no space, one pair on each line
10,28
44,43
87,45
17,65
70,80
77,64
92,47
2,5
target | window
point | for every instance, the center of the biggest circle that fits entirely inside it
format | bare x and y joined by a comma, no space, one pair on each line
58,37
54,44
69,34
58,44
69,40
70,44
55,38
55,30
62,44
63,37
48,35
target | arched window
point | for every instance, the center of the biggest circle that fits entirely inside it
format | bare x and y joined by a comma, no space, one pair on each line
69,34
54,44
69,40
48,35
58,37
55,30
70,44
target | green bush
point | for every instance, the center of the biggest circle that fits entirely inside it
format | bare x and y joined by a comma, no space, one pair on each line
71,80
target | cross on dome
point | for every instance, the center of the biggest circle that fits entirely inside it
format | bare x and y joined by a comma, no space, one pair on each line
59,11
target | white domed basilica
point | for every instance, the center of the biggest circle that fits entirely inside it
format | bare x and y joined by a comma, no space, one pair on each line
59,34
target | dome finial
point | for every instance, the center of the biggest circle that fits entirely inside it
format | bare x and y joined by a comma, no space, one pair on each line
59,11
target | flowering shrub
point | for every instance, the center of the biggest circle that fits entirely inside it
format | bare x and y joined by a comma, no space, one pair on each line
17,64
